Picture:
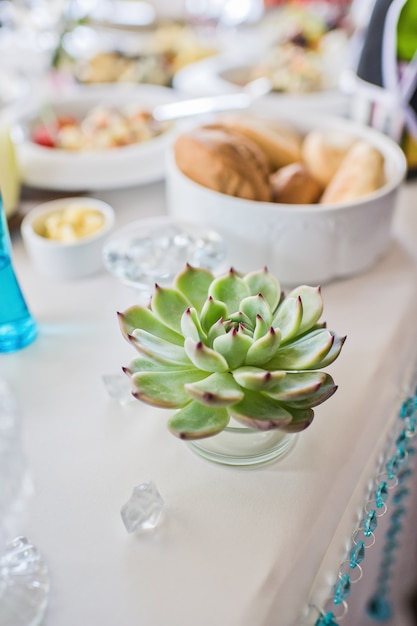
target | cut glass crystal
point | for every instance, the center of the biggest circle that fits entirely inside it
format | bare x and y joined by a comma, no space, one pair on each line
370,523
357,554
118,387
154,250
381,494
144,508
342,589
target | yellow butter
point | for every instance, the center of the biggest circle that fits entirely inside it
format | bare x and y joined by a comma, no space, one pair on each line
73,223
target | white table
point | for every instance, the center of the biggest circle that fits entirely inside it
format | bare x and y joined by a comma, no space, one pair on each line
235,547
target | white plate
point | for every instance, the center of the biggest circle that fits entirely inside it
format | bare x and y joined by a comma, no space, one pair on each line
215,75
61,170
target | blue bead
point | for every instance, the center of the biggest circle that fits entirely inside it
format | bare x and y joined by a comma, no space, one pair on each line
379,608
342,589
411,426
405,409
357,554
381,494
370,523
392,467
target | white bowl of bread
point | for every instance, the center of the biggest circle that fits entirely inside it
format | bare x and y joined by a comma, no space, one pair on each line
312,199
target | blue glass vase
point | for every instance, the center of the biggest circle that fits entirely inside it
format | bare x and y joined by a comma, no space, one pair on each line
17,326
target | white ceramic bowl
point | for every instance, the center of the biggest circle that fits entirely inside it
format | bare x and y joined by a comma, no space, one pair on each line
65,170
66,261
299,243
220,74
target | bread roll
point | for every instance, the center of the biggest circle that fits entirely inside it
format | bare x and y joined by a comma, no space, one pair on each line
360,173
225,161
293,184
279,141
323,151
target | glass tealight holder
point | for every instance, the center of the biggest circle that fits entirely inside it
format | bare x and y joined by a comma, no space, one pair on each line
153,250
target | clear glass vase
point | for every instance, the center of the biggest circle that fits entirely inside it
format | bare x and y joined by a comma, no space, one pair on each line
241,446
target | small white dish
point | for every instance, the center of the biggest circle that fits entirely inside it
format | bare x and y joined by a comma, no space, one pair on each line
65,170
66,260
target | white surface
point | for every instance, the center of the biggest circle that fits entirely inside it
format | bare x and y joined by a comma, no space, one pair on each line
235,547
336,240
208,77
51,168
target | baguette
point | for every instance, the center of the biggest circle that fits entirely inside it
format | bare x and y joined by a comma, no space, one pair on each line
360,173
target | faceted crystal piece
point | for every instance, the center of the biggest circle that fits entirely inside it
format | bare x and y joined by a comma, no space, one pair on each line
342,589
144,508
154,250
118,387
381,494
24,584
392,467
411,427
357,554
370,523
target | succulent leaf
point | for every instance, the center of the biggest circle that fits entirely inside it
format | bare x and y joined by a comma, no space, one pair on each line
288,318
233,346
323,393
157,348
261,328
190,325
145,363
303,353
169,305
256,378
240,318
253,306
196,421
193,283
216,330
212,312
141,317
333,352
260,411
264,348
302,418
312,303
216,390
265,283
230,289
297,385
203,357
160,389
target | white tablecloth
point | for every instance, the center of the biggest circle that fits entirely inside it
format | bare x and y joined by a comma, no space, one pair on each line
235,547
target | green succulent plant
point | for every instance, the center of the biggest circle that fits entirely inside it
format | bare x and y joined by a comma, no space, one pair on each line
231,346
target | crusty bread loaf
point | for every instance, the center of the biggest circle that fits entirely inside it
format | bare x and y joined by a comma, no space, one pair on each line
360,173
323,151
293,184
225,161
278,140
